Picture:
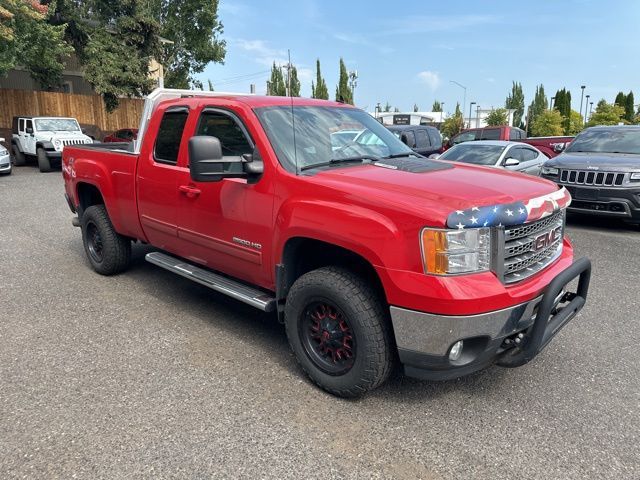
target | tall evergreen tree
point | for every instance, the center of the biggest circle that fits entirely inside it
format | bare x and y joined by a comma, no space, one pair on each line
319,90
515,101
436,107
416,108
629,107
343,91
538,105
387,107
276,85
294,83
621,99
562,103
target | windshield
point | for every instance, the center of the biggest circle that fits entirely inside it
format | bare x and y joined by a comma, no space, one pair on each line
319,139
57,125
607,141
474,153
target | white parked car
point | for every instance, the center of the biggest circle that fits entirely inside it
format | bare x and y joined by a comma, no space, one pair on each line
5,159
514,156
44,138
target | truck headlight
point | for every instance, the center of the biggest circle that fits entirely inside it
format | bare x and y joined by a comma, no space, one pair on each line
448,252
549,171
635,176
57,143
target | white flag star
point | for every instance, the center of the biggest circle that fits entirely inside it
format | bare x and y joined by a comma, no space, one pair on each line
459,212
474,220
509,212
460,226
495,209
485,223
521,210
475,209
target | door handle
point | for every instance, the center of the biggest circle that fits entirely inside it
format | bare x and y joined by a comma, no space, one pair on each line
189,191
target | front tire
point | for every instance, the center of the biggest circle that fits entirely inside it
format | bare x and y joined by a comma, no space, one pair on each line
338,329
108,252
19,159
43,161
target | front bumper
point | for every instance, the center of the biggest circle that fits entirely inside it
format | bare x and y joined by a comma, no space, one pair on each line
5,163
511,336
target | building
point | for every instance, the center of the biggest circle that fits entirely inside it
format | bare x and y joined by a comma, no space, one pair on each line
410,118
479,116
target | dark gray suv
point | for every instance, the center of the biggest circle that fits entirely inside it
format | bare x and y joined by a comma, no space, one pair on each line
601,170
422,139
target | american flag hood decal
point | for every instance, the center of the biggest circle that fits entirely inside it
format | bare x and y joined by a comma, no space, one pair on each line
506,214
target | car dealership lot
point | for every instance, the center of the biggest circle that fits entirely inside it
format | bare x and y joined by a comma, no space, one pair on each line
148,374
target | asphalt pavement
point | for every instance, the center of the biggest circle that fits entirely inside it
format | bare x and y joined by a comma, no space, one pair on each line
148,375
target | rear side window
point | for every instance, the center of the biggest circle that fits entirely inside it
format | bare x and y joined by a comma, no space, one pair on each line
21,125
435,137
491,134
169,137
466,137
411,138
422,139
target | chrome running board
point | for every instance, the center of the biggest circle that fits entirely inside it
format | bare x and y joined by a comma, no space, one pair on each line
234,289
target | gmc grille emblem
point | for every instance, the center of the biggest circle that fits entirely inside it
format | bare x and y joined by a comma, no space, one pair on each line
546,239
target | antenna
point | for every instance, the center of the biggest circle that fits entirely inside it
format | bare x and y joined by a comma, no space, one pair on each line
293,116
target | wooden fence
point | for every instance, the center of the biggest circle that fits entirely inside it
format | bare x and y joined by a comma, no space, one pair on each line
87,109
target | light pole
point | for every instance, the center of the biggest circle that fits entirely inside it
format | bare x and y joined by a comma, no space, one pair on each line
477,117
353,83
441,112
377,110
581,97
470,107
586,105
464,99
590,108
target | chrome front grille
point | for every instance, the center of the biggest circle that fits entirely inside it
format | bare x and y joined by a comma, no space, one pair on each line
529,248
581,177
73,142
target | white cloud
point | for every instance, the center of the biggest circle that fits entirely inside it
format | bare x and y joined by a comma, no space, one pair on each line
432,79
260,51
356,39
439,23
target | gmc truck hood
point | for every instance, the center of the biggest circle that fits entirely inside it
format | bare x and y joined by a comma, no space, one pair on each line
433,195
611,162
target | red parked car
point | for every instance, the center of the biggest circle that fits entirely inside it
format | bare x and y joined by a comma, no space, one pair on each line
367,252
124,135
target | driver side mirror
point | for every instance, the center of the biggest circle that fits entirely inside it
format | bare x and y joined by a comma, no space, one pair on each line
511,162
559,147
207,164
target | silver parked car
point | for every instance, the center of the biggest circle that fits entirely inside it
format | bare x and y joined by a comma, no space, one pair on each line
514,156
5,159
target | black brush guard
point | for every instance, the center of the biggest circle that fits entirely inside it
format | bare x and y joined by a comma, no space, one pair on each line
551,317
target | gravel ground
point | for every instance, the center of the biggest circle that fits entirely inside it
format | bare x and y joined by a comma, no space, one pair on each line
149,375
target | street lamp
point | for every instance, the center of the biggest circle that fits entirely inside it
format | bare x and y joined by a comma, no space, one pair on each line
585,109
377,110
477,117
470,106
464,99
590,108
581,98
441,112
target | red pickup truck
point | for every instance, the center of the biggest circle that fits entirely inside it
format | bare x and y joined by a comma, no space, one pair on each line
368,252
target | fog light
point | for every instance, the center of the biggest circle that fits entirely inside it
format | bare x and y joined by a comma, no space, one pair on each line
456,351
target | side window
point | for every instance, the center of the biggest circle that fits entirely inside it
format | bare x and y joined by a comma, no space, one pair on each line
466,137
169,137
528,154
435,137
491,134
127,134
233,140
514,152
411,138
514,134
28,124
422,139
21,125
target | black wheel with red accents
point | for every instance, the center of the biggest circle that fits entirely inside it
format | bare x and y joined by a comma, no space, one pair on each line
338,329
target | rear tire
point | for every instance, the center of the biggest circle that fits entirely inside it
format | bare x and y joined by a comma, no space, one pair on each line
18,157
108,252
338,329
43,161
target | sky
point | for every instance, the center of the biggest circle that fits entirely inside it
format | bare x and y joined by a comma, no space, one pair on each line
409,52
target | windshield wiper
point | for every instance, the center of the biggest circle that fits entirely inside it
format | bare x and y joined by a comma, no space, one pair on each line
335,161
400,155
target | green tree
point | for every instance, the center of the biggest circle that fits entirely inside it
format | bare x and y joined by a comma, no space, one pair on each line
210,83
319,90
436,107
629,107
295,83
343,91
515,101
575,124
275,84
562,103
547,123
453,124
415,107
606,114
193,27
28,39
538,105
621,99
497,117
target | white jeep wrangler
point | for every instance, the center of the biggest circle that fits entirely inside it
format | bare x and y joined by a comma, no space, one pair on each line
44,138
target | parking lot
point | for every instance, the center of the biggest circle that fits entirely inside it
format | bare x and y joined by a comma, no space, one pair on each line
147,374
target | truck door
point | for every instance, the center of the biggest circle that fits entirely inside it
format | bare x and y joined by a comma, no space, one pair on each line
227,225
157,182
